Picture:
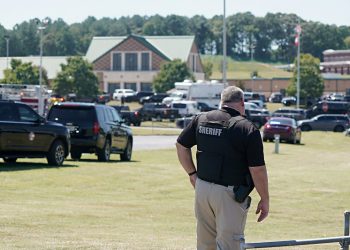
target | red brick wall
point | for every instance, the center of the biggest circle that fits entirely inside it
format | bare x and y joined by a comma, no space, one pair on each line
104,63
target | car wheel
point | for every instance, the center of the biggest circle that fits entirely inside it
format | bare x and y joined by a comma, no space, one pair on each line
305,128
55,157
265,139
126,155
339,128
298,141
75,155
9,160
158,118
104,154
137,124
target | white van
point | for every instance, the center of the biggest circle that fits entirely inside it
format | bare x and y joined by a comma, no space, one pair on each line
175,96
185,108
118,93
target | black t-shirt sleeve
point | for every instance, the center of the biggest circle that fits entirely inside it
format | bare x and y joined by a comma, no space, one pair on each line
187,138
255,149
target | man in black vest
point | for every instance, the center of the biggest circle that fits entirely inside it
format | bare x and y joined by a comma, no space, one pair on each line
230,162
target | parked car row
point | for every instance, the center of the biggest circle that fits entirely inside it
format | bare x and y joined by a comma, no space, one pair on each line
70,127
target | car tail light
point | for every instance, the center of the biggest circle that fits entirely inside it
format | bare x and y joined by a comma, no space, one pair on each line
267,125
96,128
136,113
289,129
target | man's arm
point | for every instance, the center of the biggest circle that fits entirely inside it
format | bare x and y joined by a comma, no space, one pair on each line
185,157
259,175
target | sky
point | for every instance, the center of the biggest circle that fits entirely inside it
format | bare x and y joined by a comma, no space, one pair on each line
72,11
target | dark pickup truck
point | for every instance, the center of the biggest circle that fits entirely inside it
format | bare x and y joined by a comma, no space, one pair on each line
129,117
158,111
258,116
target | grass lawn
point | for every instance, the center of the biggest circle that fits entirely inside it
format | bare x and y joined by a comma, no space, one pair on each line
243,70
148,203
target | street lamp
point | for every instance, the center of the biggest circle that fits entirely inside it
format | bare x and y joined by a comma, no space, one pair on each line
41,27
7,38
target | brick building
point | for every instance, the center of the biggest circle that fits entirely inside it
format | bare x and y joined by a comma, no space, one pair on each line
336,61
133,61
268,86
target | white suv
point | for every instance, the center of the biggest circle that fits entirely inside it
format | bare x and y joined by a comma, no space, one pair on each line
119,93
185,108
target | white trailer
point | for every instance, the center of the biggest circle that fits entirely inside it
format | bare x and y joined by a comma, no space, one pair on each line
206,92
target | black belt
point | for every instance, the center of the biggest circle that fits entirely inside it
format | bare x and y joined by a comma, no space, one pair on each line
219,183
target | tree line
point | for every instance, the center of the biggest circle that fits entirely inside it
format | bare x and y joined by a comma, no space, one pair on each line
269,38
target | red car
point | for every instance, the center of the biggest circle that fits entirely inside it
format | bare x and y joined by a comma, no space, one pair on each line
286,128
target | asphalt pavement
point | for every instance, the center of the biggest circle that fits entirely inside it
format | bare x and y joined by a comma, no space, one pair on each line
153,142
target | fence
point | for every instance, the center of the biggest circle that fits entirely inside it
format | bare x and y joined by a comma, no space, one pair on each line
344,241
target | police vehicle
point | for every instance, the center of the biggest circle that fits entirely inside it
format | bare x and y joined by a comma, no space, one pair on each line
25,134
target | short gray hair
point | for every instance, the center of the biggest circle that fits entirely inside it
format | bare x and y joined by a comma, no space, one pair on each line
232,94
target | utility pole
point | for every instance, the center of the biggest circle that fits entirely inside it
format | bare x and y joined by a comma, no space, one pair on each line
297,41
7,38
41,27
224,63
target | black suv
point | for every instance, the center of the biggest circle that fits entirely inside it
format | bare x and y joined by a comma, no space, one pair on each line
25,134
328,107
94,128
157,97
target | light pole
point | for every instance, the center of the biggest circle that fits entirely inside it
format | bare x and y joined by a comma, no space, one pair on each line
224,46
7,38
41,27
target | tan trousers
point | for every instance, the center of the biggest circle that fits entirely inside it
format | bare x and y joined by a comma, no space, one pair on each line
220,219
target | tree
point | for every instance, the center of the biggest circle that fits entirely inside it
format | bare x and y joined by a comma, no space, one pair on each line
347,42
201,28
76,77
311,81
171,72
208,69
24,73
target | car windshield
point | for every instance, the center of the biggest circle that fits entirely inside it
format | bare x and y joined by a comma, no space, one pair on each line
179,105
71,114
288,122
176,94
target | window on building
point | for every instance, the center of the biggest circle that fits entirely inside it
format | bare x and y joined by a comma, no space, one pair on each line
112,87
194,63
145,62
131,62
130,85
146,86
117,62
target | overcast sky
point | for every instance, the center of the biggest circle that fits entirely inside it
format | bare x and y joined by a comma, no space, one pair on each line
16,11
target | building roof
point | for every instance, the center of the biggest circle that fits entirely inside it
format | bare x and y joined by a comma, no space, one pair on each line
100,45
336,63
334,52
171,47
52,64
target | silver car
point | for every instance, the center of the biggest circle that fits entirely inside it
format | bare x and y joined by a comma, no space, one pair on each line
336,123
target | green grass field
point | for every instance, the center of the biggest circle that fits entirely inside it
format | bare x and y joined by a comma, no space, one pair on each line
243,70
148,203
